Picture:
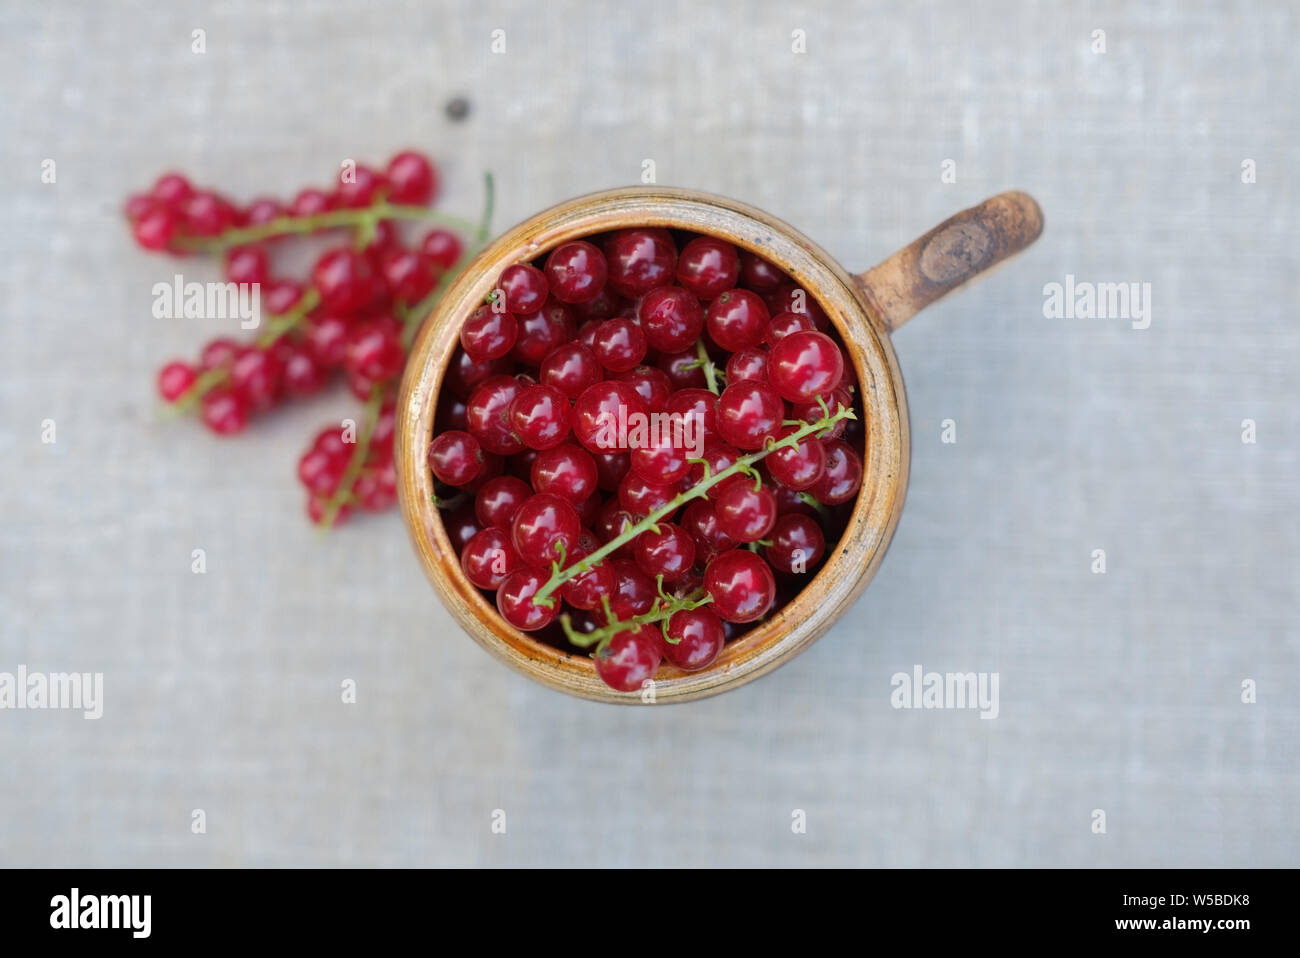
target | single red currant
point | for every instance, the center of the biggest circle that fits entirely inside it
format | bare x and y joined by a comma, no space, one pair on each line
736,320
631,658
175,380
515,600
619,344
745,513
344,280
570,368
747,364
668,552
540,416
741,586
799,466
758,274
412,178
566,470
455,458
798,544
696,637
224,411
498,501
749,412
843,476
708,267
804,365
443,247
487,413
489,558
671,318
545,529
640,260
488,334
524,288
576,272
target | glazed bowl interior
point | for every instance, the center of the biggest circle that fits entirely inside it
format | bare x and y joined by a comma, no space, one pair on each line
850,562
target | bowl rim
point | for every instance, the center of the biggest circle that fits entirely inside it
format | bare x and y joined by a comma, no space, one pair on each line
854,558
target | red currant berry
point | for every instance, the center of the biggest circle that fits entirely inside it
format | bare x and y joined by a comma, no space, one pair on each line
672,319
606,305
758,274
790,298
280,296
670,552
566,470
587,589
465,372
262,210
248,264
611,467
634,593
601,414
696,637
797,544
374,349
172,190
224,411
718,455
204,213
651,384
376,487
524,288
741,586
540,333
488,334
570,368
256,374
358,186
540,416
455,458
631,658
515,600
443,247
154,229
311,202
613,521
499,500
640,260
749,412
140,203
804,365
303,376
175,380
783,324
545,529
412,178
619,344
701,522
697,406
708,267
218,354
344,280
408,275
661,462
843,476
747,364
745,513
320,472
736,320
326,339
576,272
800,466
489,558
487,411
811,411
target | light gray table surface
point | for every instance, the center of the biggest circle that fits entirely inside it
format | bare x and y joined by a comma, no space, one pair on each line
1119,692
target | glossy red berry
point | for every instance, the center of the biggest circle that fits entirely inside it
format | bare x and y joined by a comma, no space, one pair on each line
498,501
408,275
683,370
668,552
373,349
443,247
303,376
619,344
487,413
524,287
601,413
576,272
488,333
741,586
224,411
256,374
662,462
747,364
708,267
631,658
736,320
412,178
460,525
489,558
643,496
455,457
843,476
805,364
344,280
799,466
699,639
671,318
651,384
634,593
540,416
545,529
358,186
697,406
540,333
175,380
811,411
640,260
586,590
204,213
758,274
172,190
749,412
745,513
248,264
570,368
311,202
262,210
783,324
566,470
798,544
718,455
613,521
515,600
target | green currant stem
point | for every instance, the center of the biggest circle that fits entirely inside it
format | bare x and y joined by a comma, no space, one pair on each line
451,502
344,492
808,499
662,612
705,363
364,217
744,464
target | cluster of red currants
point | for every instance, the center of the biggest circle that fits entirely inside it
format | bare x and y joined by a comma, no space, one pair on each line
356,313
651,550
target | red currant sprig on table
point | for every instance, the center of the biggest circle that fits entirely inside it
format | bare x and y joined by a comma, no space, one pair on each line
651,552
353,316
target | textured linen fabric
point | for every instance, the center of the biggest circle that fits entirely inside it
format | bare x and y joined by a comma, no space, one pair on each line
1120,692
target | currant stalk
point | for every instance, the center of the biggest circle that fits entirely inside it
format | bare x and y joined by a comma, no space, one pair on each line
362,218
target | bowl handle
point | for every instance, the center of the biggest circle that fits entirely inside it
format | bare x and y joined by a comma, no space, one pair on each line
950,254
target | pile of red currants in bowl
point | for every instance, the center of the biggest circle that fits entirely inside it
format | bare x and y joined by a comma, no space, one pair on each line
644,445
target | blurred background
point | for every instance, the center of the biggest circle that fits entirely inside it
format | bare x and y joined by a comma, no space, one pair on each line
1120,692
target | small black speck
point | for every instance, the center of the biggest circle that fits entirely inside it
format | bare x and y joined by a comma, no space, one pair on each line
457,108
844,552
